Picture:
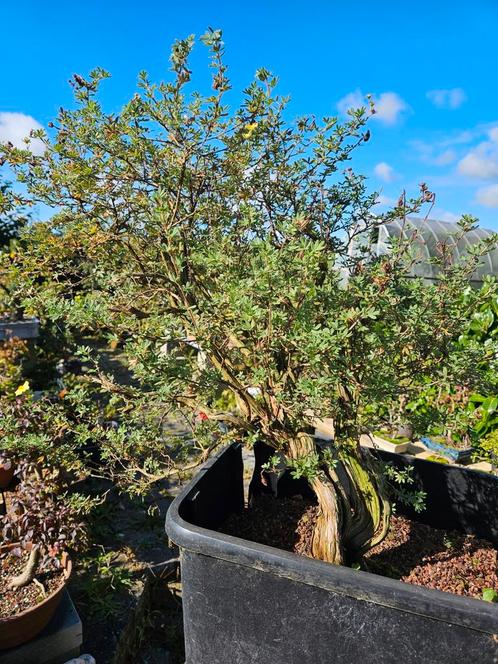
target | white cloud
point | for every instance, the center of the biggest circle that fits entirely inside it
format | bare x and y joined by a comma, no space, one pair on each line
385,172
461,138
445,215
474,152
488,196
429,153
14,127
445,158
388,106
352,100
449,99
479,163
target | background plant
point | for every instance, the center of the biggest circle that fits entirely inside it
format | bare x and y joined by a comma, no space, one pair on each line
43,522
455,411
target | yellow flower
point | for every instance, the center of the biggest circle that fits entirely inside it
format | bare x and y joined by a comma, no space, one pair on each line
22,388
250,129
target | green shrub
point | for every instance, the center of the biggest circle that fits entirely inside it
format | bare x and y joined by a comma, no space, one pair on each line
215,244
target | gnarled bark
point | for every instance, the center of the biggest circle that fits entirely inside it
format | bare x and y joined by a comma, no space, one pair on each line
328,539
353,510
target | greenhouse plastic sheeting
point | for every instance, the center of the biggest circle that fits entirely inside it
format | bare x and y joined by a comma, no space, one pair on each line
427,235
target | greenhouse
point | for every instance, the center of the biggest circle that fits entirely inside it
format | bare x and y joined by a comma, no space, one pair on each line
428,234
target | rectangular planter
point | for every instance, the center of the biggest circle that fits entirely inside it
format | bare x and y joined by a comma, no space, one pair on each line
27,328
457,456
248,603
377,442
324,430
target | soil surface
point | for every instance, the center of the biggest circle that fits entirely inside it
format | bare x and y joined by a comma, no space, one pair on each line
412,552
14,601
441,559
286,523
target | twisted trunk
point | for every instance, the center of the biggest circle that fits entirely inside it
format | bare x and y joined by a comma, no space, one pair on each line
353,510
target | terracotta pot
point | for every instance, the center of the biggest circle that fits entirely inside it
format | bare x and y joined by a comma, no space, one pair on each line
6,475
24,626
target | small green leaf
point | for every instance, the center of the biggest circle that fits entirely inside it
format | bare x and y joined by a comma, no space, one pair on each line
490,595
490,404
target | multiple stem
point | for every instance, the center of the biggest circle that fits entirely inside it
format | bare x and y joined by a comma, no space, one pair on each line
353,509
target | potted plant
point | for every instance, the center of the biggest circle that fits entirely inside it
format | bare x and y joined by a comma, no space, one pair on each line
387,440
37,531
488,449
462,418
382,439
42,520
448,447
452,437
230,233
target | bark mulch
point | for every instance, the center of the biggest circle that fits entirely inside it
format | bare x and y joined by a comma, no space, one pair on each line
441,559
412,552
286,523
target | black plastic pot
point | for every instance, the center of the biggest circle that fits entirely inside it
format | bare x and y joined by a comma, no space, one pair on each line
248,603
458,498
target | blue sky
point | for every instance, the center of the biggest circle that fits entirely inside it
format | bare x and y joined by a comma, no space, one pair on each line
432,68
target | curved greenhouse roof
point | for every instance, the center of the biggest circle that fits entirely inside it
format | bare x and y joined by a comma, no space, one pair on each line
428,235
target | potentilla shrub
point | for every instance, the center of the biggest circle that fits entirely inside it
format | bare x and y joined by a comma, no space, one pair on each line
212,235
